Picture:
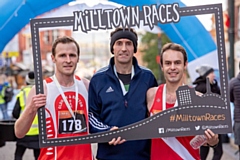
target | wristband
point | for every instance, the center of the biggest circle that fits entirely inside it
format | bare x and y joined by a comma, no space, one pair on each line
212,146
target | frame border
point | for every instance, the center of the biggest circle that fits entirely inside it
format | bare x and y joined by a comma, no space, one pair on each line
145,124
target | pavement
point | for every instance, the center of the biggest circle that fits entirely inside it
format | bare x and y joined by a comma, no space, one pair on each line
7,152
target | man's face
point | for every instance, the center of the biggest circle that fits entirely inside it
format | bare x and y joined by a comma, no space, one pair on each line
123,50
173,66
66,58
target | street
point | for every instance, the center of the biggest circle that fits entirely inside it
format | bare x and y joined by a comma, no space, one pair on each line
7,152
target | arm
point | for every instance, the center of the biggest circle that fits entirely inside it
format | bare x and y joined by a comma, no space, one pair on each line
150,97
34,102
94,104
95,122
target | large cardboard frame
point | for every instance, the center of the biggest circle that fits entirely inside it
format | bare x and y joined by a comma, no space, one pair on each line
192,115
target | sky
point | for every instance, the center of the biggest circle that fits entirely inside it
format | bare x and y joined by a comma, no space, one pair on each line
205,19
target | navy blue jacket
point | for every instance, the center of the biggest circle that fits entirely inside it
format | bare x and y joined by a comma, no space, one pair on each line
108,107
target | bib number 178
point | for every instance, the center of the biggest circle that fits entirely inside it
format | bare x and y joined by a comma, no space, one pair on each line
69,125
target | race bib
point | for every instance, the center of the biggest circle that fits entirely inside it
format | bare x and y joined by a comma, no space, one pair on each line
67,124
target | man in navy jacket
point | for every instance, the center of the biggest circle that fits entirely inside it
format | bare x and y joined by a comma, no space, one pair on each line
117,97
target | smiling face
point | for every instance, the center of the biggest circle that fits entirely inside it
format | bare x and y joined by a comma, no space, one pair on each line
173,66
66,58
123,50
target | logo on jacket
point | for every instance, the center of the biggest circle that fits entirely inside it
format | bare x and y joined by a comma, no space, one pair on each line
109,90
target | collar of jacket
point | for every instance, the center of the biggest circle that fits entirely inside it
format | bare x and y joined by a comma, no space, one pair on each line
110,70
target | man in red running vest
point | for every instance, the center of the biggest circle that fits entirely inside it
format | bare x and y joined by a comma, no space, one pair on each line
66,101
173,61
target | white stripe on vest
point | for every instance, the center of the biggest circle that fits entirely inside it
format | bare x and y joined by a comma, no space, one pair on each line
172,142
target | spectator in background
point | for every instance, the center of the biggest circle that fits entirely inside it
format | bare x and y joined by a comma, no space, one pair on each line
3,104
205,72
234,86
31,139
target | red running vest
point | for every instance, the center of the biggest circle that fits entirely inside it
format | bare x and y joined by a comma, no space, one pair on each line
176,148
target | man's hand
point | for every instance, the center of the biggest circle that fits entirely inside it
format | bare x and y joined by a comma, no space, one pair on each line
37,101
115,141
212,138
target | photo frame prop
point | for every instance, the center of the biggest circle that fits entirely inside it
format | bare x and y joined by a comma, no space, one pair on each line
193,114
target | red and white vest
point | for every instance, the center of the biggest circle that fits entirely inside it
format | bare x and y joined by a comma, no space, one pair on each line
60,122
170,148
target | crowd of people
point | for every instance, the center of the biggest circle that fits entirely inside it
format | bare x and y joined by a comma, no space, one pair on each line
117,95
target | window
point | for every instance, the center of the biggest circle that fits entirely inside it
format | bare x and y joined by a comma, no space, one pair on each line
54,35
46,37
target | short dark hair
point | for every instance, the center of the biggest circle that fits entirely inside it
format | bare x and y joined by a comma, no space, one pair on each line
128,33
175,47
64,40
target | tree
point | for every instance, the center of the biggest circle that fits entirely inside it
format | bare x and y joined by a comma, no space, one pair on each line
152,44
